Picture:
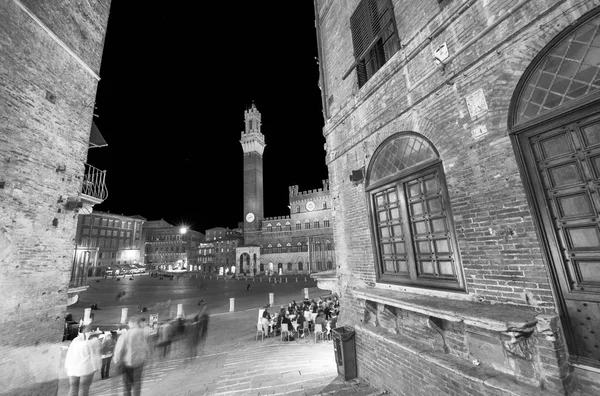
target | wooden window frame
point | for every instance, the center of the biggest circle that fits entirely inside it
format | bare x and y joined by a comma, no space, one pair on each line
413,277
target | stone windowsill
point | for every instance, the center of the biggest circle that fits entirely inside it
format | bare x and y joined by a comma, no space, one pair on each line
494,317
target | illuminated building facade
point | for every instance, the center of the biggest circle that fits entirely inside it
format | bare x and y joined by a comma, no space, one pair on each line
171,248
106,239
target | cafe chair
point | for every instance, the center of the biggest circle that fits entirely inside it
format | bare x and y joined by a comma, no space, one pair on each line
260,330
305,328
318,331
284,329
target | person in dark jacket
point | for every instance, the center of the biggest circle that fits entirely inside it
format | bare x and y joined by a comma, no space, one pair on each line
108,348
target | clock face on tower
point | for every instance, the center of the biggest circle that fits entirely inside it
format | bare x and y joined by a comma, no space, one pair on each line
250,217
310,206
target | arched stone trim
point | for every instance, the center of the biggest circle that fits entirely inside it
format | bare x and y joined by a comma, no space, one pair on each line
399,153
557,80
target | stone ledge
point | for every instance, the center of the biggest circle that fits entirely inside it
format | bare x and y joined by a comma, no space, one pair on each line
482,374
497,317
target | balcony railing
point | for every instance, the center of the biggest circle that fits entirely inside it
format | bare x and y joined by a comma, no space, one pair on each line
94,183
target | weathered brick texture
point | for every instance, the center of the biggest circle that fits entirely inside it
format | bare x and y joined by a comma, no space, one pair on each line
500,252
47,98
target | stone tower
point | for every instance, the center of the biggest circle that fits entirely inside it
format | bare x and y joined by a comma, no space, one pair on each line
253,145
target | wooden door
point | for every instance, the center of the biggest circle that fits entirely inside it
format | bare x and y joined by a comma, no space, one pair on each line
563,165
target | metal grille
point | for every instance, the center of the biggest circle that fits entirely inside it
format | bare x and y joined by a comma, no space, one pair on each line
401,153
571,70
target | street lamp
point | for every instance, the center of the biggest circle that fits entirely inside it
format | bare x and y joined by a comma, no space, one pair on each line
183,230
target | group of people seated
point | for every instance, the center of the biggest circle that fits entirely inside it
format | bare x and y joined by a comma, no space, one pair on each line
319,312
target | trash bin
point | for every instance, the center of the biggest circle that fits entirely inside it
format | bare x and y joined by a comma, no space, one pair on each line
345,351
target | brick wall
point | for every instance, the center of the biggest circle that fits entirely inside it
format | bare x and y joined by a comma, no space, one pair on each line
499,249
47,104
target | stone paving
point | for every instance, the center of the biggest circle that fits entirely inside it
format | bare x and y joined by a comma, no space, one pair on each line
233,362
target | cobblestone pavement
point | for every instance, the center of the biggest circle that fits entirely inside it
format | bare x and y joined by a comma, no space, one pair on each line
233,362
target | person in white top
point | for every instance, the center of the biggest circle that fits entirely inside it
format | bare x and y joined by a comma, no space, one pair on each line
82,361
130,353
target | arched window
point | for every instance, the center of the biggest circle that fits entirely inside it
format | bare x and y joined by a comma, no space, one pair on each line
288,226
278,227
565,73
307,225
326,223
298,209
289,247
269,227
410,212
300,265
316,223
298,225
279,248
324,205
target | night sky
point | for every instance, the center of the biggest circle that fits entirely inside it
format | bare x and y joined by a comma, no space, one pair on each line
175,82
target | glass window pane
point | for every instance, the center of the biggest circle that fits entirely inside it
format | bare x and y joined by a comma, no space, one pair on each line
399,154
567,72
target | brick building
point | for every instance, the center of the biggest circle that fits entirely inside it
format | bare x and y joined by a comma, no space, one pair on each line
462,142
301,242
51,53
218,251
104,240
171,248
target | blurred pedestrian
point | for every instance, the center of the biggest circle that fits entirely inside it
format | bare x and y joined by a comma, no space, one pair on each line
82,361
248,287
130,354
108,347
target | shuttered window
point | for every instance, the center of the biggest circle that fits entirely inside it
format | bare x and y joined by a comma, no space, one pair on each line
374,37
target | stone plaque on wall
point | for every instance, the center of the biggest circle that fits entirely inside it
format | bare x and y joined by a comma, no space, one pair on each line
476,103
488,350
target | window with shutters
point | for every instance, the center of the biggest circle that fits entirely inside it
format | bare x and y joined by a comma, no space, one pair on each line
411,220
374,37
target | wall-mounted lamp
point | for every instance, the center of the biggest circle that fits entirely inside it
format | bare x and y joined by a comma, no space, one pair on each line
357,176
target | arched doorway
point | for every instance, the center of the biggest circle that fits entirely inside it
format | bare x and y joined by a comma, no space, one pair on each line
244,262
555,128
280,268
